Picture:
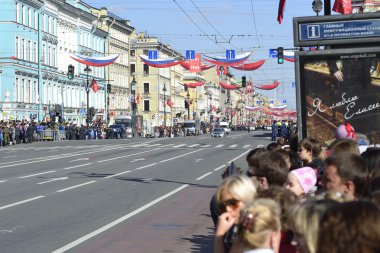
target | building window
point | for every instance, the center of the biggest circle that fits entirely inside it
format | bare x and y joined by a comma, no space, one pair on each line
35,53
18,13
146,88
133,69
35,94
22,91
49,56
133,53
29,51
17,90
43,53
53,63
17,51
146,52
29,17
146,106
23,15
146,69
23,49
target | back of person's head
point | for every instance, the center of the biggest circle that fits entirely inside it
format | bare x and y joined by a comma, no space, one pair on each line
311,145
304,220
350,227
285,198
258,222
372,159
350,167
281,141
344,146
273,146
271,166
285,155
295,161
240,187
232,170
254,152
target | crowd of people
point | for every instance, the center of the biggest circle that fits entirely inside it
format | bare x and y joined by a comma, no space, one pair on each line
297,196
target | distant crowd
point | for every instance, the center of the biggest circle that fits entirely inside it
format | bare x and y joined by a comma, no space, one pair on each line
301,197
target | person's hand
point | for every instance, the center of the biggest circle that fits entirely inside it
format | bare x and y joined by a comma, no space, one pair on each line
339,76
225,222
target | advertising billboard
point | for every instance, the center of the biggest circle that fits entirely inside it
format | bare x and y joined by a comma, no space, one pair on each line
338,86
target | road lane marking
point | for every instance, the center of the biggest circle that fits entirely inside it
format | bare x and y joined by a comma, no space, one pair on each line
118,221
21,202
81,159
42,173
233,146
54,179
146,166
205,175
75,186
246,146
180,145
114,158
175,157
193,146
2,181
240,156
219,146
9,156
220,167
205,146
81,165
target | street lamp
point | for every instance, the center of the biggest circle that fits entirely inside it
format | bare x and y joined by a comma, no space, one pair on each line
317,6
88,70
164,90
188,105
133,92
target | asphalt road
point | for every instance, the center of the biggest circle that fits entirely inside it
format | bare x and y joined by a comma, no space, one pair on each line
135,195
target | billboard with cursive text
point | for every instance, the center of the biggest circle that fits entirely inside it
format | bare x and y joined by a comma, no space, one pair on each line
337,86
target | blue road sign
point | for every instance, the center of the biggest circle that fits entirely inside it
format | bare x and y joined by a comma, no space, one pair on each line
271,101
272,53
152,54
82,111
284,101
230,54
190,54
258,102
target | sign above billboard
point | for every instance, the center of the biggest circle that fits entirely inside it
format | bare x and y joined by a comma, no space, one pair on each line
337,30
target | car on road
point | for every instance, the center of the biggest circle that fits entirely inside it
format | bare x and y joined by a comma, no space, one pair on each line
116,131
218,132
225,127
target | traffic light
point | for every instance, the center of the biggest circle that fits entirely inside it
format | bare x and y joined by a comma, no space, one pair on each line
280,55
187,104
70,72
243,81
108,88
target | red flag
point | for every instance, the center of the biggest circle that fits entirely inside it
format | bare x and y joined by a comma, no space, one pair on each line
94,86
281,7
342,6
169,102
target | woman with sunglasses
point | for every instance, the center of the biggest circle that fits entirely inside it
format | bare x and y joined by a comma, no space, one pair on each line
233,194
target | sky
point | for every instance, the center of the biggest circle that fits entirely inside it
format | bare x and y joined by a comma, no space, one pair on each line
214,26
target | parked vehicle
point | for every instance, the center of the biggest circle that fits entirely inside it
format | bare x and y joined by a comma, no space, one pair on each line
218,132
189,126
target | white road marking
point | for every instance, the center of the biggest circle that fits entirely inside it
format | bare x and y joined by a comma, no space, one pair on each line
175,157
205,175
114,158
219,146
220,167
198,160
246,146
75,186
42,173
21,202
2,181
233,146
193,146
124,172
81,159
116,222
81,165
146,166
180,145
240,156
54,179
137,159
9,156
205,146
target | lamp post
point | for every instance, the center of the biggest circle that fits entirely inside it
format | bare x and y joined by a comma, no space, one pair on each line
88,70
317,6
188,105
133,91
164,90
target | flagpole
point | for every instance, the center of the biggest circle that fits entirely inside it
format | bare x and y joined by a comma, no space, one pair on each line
87,69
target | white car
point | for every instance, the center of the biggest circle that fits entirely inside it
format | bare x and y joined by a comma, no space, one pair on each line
217,132
225,126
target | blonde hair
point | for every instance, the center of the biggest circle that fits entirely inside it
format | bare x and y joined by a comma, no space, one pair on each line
240,187
257,222
306,220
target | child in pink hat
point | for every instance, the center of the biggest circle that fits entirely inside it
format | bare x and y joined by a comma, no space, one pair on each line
301,181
